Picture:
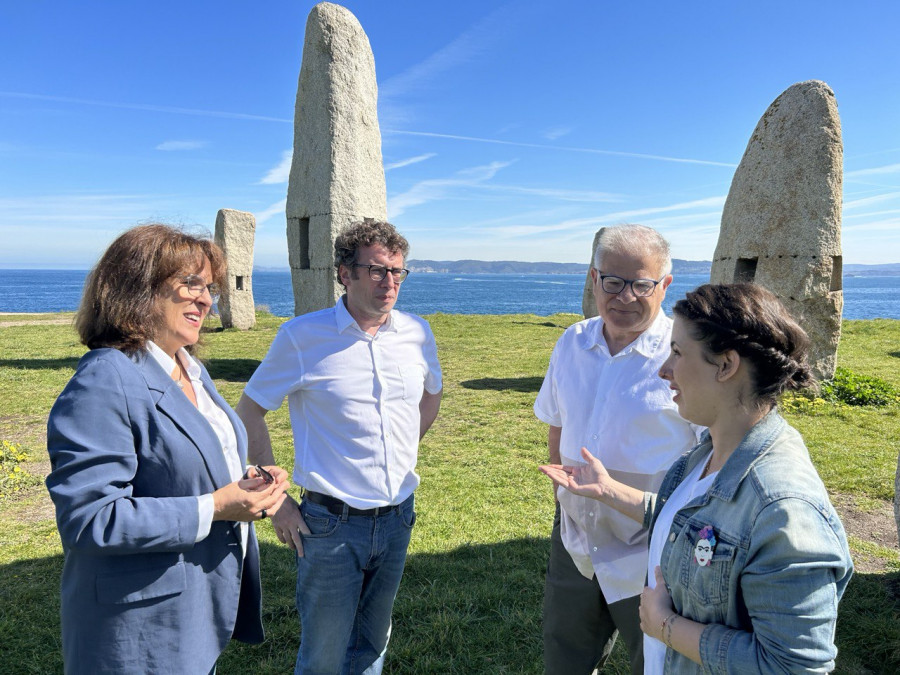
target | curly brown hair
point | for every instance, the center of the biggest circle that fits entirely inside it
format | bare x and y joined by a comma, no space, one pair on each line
752,321
119,305
366,233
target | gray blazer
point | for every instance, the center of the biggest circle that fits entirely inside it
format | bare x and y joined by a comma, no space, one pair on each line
129,455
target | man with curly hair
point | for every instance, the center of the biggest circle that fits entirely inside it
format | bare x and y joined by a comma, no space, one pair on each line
363,385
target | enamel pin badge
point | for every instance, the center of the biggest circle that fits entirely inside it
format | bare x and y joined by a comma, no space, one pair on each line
703,551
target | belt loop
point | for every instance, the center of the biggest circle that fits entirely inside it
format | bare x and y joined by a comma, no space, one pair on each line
345,512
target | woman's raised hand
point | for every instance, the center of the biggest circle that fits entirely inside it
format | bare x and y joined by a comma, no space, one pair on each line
588,480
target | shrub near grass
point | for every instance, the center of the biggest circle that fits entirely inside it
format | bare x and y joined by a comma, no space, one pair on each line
852,389
12,476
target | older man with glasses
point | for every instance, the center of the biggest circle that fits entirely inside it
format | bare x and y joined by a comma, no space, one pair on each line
602,392
364,385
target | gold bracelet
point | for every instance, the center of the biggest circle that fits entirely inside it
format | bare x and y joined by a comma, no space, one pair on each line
667,629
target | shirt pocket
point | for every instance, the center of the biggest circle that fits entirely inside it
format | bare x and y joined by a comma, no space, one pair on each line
413,382
707,587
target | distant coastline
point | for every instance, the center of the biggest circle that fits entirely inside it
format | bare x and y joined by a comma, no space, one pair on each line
518,267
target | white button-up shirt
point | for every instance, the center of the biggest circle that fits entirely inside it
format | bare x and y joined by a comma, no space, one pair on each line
619,408
354,401
220,424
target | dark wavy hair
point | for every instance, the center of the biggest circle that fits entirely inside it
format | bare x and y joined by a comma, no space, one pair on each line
750,320
366,233
119,306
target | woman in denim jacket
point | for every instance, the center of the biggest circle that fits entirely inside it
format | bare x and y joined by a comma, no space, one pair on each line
748,558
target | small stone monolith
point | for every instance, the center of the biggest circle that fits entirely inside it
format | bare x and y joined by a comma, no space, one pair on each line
588,302
337,176
781,225
235,231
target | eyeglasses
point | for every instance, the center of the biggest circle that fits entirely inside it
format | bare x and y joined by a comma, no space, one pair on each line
196,285
265,475
640,287
379,272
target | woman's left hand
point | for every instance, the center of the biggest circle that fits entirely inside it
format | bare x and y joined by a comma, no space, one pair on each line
250,499
656,605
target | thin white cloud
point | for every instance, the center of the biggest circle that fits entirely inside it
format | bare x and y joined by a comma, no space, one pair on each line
874,171
169,146
278,208
554,193
74,209
476,41
867,201
558,132
281,173
890,224
144,106
544,146
580,225
440,188
705,203
406,162
870,214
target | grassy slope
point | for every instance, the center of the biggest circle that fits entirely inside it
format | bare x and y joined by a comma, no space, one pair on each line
470,600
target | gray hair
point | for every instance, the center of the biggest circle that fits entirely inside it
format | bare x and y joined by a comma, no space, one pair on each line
634,239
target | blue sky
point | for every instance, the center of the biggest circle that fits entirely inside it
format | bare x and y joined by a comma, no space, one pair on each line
511,130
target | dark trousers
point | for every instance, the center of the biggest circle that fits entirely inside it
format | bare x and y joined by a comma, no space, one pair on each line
580,627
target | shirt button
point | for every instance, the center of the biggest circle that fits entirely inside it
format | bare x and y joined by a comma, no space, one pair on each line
671,536
594,437
595,548
591,514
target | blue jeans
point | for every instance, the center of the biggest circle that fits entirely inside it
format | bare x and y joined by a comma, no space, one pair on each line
347,580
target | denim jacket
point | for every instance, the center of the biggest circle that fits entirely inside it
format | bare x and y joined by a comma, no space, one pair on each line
780,563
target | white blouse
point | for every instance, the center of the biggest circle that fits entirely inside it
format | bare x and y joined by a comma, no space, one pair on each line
220,424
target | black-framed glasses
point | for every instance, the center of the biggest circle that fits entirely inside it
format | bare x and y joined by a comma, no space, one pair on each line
379,272
195,285
641,288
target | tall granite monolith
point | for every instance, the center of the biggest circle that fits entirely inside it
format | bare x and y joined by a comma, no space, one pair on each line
235,231
588,302
337,176
781,225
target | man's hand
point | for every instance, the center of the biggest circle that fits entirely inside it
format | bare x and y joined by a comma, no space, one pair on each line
289,525
553,436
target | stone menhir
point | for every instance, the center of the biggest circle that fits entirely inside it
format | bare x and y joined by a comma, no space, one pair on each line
235,231
588,302
781,225
337,176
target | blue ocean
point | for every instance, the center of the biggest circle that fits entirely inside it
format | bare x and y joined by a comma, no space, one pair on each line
427,293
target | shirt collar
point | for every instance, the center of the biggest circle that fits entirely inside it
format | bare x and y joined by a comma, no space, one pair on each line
646,344
344,320
167,363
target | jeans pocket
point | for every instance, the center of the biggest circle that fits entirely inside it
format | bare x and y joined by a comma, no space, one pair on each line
321,522
408,517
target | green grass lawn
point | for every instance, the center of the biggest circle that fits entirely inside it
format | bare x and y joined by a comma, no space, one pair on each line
470,601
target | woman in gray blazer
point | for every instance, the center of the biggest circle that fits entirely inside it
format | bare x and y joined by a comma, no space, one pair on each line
153,505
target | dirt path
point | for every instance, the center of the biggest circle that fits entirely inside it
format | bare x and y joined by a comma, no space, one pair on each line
36,319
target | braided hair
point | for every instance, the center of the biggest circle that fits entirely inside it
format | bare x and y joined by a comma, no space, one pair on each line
750,320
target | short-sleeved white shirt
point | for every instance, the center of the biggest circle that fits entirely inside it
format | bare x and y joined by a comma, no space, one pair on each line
354,401
619,408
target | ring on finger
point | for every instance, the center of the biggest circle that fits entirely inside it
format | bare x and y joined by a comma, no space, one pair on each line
263,514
